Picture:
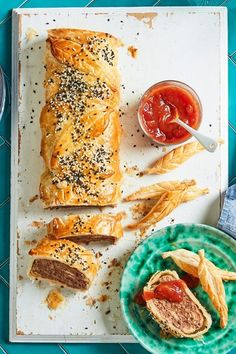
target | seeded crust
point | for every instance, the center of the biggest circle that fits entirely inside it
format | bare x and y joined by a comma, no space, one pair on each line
87,228
187,319
68,253
80,120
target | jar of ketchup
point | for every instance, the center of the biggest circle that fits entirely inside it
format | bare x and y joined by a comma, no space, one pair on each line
161,103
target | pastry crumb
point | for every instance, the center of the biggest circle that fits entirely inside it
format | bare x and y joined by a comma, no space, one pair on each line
103,298
32,199
31,33
106,283
114,263
141,209
132,51
90,302
20,277
98,254
54,299
17,248
30,242
37,224
221,141
132,171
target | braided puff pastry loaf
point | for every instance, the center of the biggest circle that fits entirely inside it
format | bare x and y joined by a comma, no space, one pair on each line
80,120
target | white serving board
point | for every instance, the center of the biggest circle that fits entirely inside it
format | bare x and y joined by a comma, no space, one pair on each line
186,44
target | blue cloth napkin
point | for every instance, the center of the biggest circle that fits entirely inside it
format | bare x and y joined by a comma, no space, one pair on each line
227,221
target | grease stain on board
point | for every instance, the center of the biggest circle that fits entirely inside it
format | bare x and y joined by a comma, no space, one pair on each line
146,17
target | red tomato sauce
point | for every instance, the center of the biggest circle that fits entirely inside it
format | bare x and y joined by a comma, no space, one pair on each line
172,290
139,299
191,281
159,107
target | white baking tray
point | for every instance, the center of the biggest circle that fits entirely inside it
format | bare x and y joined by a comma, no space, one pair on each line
186,44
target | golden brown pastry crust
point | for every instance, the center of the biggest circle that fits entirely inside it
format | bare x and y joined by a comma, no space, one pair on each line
154,191
211,282
80,120
69,253
103,225
163,207
189,262
170,194
174,158
54,299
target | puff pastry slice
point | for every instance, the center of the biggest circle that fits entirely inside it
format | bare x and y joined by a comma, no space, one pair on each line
63,262
87,228
185,319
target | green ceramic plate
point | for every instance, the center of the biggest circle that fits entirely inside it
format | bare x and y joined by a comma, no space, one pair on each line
146,260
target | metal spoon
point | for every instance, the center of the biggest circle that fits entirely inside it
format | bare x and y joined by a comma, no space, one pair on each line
2,93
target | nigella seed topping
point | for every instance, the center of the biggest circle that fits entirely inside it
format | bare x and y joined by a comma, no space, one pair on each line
74,93
83,169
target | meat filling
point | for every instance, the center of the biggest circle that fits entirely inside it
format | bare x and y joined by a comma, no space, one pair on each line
184,315
60,272
88,238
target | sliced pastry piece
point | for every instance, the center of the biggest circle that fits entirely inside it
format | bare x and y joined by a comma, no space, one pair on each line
174,307
174,158
87,228
63,262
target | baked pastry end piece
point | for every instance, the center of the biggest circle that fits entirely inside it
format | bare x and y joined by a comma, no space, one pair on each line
64,263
